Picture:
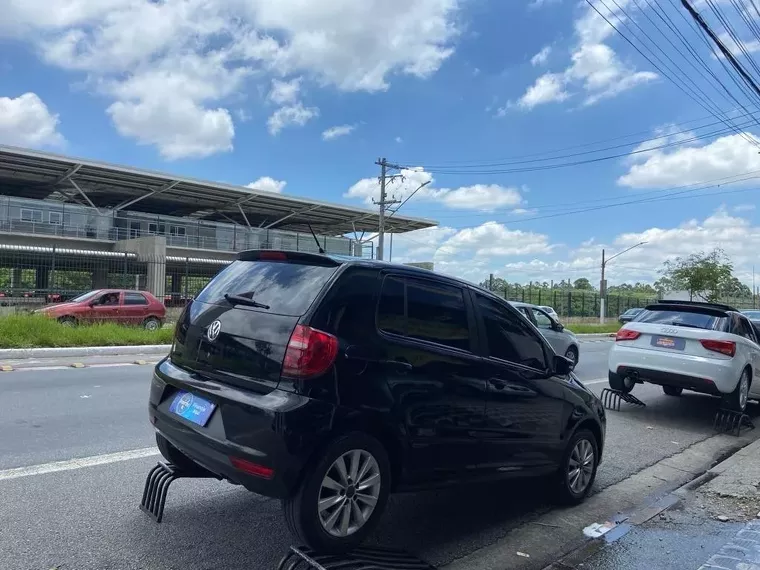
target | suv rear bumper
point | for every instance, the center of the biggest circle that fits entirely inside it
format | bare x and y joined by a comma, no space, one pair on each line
702,385
278,431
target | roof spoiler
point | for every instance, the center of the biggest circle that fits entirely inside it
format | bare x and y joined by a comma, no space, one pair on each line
291,256
718,306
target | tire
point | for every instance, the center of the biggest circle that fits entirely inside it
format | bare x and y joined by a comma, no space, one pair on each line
572,354
620,383
151,324
737,400
68,321
309,525
672,390
175,456
582,445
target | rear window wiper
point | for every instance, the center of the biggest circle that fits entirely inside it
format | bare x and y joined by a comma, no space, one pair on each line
240,300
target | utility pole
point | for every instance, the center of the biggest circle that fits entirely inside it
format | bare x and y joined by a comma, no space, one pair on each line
383,203
603,282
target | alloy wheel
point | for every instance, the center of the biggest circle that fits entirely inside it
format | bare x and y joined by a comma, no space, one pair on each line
581,466
349,493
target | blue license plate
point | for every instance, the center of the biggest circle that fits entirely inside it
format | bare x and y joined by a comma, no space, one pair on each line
193,408
669,342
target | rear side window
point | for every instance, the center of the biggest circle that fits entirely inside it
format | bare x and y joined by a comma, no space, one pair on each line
287,288
678,318
509,337
424,310
135,299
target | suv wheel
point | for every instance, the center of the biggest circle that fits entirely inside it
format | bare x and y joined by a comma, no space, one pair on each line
672,390
737,400
620,383
578,469
342,497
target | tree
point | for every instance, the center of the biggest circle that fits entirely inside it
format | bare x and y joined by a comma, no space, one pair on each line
705,276
583,284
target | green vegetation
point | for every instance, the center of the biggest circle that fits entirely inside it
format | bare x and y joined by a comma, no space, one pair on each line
37,331
593,328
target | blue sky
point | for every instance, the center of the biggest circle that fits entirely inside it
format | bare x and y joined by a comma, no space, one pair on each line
303,97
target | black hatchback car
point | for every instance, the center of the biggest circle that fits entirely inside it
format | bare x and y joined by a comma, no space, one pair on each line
331,382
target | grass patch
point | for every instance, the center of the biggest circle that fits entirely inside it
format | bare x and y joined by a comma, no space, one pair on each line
37,331
590,328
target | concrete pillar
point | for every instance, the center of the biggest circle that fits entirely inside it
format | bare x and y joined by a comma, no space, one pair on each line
42,279
151,251
15,280
100,277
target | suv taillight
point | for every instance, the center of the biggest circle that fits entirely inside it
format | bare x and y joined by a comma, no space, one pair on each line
626,334
727,347
309,353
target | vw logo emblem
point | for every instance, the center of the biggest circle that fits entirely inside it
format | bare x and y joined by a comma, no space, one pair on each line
213,330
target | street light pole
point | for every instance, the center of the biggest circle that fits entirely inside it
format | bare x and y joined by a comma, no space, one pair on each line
603,282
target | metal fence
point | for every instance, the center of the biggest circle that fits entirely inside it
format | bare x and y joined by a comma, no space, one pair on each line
33,276
574,304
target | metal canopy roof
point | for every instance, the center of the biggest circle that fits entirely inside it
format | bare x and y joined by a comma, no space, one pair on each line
45,176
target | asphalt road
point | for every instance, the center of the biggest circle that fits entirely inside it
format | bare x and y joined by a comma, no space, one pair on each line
87,518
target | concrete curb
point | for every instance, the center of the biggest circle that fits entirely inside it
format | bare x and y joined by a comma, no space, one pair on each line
21,353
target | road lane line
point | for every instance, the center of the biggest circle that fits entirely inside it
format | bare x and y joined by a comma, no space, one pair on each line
72,464
597,381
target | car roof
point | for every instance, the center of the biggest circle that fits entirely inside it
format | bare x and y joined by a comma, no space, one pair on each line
521,304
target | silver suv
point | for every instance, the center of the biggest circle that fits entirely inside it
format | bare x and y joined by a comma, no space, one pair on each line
563,341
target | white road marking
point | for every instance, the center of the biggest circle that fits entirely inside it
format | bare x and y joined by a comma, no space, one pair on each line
596,381
71,464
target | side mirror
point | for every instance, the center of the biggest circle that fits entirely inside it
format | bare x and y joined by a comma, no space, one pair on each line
562,365
559,327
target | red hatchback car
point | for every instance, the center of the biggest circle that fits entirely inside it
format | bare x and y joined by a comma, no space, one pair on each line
137,308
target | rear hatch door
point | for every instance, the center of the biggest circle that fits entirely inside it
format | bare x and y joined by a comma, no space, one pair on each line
678,330
237,330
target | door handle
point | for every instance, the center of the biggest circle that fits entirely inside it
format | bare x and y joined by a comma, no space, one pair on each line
497,383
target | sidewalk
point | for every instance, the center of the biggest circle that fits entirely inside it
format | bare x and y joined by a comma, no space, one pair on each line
714,525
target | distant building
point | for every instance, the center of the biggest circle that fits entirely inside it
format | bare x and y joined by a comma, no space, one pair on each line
422,265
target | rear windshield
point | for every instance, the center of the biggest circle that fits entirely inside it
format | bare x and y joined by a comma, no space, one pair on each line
681,318
287,288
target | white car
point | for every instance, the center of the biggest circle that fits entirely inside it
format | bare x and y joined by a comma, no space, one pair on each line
552,312
680,345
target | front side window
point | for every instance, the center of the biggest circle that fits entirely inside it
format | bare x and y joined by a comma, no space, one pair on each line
509,337
543,321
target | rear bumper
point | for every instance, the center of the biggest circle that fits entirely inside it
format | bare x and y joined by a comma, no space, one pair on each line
278,431
707,375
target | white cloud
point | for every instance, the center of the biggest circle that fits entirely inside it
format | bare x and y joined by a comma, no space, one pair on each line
541,57
735,235
744,208
535,4
337,131
750,46
399,140
295,115
285,92
26,121
727,156
204,53
268,184
595,70
470,253
484,197
547,88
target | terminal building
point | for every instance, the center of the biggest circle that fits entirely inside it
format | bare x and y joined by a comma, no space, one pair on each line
69,225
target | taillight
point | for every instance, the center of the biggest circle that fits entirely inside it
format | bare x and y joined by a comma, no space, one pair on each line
273,255
252,468
310,353
627,334
727,347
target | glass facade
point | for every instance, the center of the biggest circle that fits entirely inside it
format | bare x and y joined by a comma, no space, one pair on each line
26,216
